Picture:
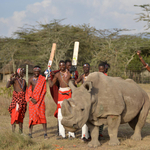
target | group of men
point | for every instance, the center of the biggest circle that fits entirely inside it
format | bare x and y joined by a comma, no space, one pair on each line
35,94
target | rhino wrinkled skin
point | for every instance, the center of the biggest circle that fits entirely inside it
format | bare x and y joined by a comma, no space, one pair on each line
106,100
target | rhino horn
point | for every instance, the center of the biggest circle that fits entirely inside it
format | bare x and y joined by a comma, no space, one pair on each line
71,85
88,85
65,108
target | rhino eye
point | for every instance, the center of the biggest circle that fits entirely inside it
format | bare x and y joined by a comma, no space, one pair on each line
82,109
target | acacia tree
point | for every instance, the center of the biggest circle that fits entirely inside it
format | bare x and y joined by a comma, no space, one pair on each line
145,16
116,49
8,51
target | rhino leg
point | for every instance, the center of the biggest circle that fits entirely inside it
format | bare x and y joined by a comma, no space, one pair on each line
133,122
140,121
94,135
113,125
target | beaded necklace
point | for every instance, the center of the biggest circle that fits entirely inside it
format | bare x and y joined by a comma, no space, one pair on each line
35,79
21,83
64,75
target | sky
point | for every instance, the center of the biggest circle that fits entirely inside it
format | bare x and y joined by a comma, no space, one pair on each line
101,14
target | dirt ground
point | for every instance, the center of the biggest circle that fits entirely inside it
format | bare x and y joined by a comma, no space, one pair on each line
124,135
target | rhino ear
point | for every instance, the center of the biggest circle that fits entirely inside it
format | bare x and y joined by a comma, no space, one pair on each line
71,85
88,85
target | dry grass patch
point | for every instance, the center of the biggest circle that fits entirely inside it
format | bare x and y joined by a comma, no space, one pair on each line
11,141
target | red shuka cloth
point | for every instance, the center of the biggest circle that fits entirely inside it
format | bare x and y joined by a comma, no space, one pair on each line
54,89
76,75
18,115
37,111
61,97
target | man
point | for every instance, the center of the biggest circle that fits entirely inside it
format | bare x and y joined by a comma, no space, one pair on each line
102,68
54,92
143,62
35,95
107,66
63,76
54,89
86,69
18,105
68,66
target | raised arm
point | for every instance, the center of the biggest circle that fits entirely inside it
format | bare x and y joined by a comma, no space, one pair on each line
78,80
10,81
143,62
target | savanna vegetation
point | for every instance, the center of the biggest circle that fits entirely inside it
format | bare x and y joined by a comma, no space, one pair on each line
34,43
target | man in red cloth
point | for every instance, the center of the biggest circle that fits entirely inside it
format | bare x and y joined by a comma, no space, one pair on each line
18,105
35,95
54,89
63,76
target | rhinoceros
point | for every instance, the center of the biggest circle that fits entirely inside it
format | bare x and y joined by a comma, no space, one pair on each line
106,100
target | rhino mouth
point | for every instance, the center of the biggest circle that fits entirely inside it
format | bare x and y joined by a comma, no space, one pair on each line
68,123
72,129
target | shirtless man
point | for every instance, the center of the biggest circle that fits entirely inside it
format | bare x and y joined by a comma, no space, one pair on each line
86,69
35,95
18,105
63,76
143,62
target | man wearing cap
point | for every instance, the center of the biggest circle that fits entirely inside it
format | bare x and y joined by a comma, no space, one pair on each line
18,105
35,95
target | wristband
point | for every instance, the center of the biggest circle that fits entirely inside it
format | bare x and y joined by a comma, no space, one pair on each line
146,65
140,57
